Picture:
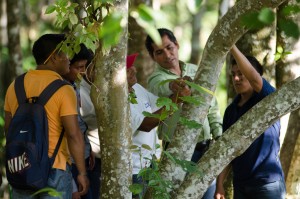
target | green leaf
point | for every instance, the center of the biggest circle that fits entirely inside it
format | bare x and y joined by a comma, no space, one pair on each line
145,13
167,103
169,156
280,53
191,124
157,146
289,27
192,100
251,21
147,114
73,19
165,114
90,41
257,20
290,10
144,171
166,137
145,146
50,191
279,49
132,97
198,88
153,182
136,188
50,9
64,23
165,81
133,147
277,56
77,49
62,3
1,121
266,16
111,29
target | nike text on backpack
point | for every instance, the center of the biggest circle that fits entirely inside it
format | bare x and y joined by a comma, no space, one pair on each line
27,162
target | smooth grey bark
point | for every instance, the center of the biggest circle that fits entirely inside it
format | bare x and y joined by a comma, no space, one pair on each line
223,8
225,34
225,5
240,136
136,44
109,95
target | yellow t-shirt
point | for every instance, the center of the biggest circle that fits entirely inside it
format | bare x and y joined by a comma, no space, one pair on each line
62,103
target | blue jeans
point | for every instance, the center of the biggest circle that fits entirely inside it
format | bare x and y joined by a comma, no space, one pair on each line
58,179
210,192
94,177
88,195
273,190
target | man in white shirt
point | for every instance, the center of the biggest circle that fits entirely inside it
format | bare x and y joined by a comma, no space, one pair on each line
144,128
143,133
88,114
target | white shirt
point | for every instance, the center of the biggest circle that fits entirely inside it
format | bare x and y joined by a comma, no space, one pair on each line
146,102
87,111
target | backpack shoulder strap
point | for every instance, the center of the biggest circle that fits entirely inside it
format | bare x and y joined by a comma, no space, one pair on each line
50,90
52,159
20,89
43,99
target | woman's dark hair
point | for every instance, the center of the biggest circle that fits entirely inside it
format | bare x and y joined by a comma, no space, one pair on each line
45,45
254,62
162,32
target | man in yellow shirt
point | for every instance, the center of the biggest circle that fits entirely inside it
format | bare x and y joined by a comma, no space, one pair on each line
61,112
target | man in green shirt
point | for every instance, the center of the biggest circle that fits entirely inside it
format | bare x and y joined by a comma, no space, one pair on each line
170,67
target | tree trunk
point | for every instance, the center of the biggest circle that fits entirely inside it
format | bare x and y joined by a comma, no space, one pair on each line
196,31
136,44
225,34
286,70
14,48
3,61
290,154
223,9
240,136
110,90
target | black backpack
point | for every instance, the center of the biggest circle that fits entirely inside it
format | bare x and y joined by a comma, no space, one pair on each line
27,162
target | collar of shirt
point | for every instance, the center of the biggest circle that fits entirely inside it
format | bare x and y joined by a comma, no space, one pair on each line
182,66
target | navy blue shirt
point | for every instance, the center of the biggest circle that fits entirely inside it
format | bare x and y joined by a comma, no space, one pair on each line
260,163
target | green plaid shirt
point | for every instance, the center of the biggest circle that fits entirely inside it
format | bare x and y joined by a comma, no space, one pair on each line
212,126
